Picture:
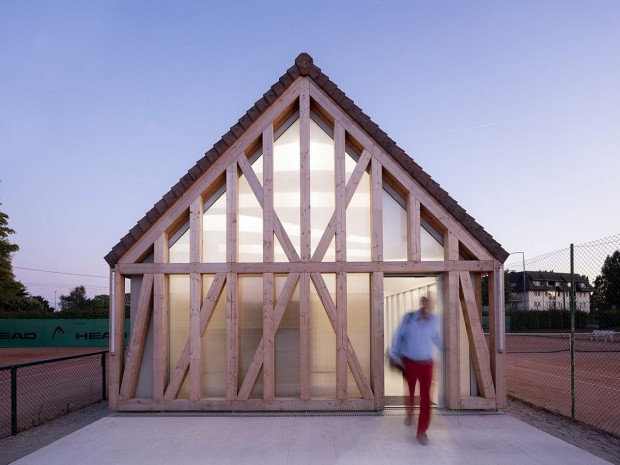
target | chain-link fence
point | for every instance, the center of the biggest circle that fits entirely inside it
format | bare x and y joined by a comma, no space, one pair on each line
35,392
562,341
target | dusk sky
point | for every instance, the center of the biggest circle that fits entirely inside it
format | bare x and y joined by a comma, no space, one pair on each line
513,107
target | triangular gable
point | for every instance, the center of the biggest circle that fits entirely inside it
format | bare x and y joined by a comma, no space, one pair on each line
355,121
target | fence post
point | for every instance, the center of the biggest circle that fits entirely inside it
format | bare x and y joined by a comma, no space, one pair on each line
572,331
13,401
103,378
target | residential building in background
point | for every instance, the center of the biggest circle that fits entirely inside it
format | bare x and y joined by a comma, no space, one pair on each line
547,290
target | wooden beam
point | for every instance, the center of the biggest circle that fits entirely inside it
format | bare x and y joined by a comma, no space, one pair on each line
477,403
267,205
268,340
330,309
232,211
304,169
376,341
232,336
206,312
376,238
426,267
195,300
414,248
195,341
256,405
340,215
451,325
137,338
160,319
305,329
478,349
341,336
117,355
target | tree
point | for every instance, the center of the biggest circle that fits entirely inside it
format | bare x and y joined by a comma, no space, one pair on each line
75,300
10,288
606,294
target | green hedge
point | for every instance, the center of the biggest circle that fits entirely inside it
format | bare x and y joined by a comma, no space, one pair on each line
559,320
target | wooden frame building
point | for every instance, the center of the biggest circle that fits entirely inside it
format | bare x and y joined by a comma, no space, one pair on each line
272,275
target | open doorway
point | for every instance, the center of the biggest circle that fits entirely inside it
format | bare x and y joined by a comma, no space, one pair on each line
401,294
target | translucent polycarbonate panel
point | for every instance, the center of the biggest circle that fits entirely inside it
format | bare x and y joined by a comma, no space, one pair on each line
250,224
430,248
278,252
322,185
257,167
358,326
322,343
178,251
178,319
394,229
358,222
287,354
250,327
349,166
214,346
214,231
286,183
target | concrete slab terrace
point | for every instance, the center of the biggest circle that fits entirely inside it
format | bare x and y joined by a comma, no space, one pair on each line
308,439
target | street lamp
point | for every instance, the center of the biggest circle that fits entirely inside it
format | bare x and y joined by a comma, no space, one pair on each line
523,257
55,300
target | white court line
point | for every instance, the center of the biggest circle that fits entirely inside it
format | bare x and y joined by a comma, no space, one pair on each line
580,371
567,378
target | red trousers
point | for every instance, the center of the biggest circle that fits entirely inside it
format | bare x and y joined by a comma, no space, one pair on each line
422,372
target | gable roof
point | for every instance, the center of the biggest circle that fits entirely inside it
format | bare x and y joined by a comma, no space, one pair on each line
548,281
304,66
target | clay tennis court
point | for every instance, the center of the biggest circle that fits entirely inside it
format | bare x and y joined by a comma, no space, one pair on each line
538,371
49,390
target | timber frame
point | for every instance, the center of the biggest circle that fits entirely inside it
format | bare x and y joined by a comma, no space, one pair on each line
469,254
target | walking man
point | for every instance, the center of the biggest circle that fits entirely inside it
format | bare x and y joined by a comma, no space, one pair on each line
413,345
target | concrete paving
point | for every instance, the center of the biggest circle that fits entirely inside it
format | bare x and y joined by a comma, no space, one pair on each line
355,439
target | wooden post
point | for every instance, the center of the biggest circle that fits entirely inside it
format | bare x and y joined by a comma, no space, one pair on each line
413,228
232,298
341,336
452,356
340,180
195,300
377,212
304,336
304,169
117,359
377,336
160,320
268,278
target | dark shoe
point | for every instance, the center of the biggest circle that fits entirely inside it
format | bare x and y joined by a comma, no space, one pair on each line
408,420
422,438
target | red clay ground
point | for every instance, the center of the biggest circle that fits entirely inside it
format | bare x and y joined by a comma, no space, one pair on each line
538,371
23,355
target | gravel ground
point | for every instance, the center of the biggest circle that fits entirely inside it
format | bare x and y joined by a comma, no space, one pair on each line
600,444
